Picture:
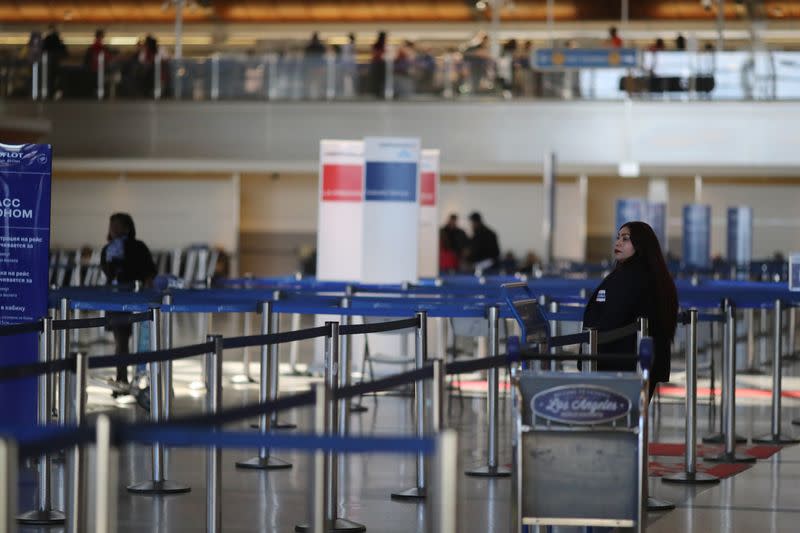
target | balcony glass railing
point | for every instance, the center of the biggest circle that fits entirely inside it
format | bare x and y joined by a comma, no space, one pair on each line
736,75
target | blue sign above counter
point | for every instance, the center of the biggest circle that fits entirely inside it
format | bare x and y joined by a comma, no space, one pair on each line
577,58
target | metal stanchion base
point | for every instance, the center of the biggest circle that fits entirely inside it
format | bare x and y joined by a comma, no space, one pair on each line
415,493
775,439
159,487
240,379
489,471
42,518
264,463
691,478
719,438
654,504
726,457
339,525
358,408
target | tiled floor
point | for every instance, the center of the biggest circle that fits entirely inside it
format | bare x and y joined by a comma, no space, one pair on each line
763,498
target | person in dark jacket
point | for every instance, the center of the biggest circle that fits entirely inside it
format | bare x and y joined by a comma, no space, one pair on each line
484,250
125,260
639,286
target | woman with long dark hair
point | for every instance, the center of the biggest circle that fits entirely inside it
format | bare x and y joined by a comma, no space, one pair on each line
639,286
125,260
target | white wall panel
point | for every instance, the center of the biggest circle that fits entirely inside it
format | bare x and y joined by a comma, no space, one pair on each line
168,212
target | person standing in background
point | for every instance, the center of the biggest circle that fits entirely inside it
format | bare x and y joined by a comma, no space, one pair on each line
125,260
452,243
56,51
484,250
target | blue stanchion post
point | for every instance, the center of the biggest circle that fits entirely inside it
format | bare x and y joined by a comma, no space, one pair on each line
553,308
166,334
653,504
591,366
9,461
492,468
44,514
418,492
690,475
775,437
265,460
214,454
106,477
729,455
346,406
158,484
325,486
245,376
77,494
443,517
274,361
63,378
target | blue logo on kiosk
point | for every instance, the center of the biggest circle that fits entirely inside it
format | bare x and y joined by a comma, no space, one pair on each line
580,404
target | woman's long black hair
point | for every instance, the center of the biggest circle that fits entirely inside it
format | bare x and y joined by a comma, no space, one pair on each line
126,221
648,251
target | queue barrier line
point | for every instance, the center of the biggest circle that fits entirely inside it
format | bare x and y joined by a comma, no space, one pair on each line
382,384
78,323
108,321
43,440
275,338
684,317
236,414
21,328
109,361
379,327
202,437
40,440
606,337
28,370
568,340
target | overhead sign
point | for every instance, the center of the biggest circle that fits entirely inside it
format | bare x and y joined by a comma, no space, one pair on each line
342,182
794,272
390,241
24,246
429,214
697,235
578,58
740,235
340,224
580,404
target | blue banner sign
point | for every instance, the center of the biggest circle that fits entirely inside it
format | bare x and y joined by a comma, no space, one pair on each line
580,404
697,235
794,272
629,210
391,181
653,213
576,58
24,245
740,235
657,218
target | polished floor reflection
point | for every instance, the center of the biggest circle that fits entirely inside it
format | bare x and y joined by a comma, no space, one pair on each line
764,498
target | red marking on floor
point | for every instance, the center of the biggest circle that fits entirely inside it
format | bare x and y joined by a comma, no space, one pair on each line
743,392
676,449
